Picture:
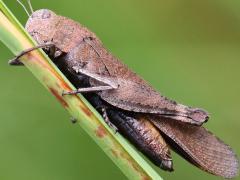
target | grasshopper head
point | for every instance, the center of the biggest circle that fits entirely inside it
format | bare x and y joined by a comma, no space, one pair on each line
41,25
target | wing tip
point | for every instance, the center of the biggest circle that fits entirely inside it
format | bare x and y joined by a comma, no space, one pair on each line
231,169
199,115
234,169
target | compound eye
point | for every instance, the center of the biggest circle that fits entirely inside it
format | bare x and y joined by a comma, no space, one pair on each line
46,14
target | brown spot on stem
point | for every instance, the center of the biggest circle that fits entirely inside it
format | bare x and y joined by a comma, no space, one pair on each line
114,152
45,79
100,132
135,167
130,162
86,111
145,177
59,97
58,85
46,65
64,85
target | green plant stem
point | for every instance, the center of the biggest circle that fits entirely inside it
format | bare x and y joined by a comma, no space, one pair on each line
115,146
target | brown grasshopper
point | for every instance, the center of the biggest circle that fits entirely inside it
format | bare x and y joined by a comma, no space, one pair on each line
127,102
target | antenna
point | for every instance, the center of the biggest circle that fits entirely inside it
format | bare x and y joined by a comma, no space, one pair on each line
25,9
30,6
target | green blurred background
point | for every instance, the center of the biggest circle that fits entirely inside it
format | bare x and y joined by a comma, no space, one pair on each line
189,50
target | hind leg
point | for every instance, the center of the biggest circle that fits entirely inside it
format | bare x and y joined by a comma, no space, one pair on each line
107,120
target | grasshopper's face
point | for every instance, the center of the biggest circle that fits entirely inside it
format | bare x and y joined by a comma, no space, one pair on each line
41,25
47,27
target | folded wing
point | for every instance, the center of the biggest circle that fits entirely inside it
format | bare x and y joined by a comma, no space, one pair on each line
133,96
